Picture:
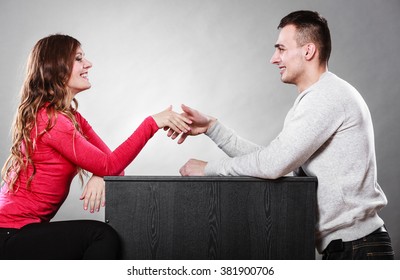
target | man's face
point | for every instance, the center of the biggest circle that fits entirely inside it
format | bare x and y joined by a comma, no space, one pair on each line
288,56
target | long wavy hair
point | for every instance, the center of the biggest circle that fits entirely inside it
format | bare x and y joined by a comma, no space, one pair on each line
48,70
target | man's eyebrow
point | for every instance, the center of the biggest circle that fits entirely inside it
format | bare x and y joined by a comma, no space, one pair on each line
278,46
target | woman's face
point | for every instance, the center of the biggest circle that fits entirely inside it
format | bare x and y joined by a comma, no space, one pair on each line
79,77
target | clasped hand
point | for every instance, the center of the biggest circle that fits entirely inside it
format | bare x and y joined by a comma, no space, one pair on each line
199,124
189,122
168,119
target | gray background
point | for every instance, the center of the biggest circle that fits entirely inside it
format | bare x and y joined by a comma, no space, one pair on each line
212,55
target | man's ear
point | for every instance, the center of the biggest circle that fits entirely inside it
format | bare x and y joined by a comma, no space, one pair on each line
309,51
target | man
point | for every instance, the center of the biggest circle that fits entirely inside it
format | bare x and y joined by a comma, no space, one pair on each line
328,133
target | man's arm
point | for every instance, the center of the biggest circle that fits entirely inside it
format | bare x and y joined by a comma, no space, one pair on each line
312,123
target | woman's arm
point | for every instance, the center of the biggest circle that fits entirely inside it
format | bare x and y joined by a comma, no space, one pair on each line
71,144
92,136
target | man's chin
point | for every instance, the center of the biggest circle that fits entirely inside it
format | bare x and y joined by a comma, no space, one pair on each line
286,80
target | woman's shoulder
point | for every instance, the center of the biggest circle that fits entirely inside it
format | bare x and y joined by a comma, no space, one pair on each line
79,118
56,119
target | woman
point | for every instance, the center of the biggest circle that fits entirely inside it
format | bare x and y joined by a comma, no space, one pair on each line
52,143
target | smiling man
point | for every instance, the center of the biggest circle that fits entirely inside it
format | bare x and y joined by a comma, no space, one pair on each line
328,133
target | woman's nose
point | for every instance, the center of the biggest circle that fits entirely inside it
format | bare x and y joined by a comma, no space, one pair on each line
88,64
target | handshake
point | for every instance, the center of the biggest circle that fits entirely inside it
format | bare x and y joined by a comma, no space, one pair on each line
189,122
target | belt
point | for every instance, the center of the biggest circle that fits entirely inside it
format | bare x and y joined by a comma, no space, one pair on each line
338,245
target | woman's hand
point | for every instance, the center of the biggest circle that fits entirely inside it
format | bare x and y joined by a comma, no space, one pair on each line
169,119
94,194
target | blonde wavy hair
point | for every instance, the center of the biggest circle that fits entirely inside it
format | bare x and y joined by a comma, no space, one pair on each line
48,70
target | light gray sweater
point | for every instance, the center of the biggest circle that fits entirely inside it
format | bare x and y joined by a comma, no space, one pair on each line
329,134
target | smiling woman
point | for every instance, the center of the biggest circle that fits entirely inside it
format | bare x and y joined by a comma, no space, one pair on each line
52,142
79,77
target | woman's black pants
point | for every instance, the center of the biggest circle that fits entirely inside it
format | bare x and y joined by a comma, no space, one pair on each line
64,240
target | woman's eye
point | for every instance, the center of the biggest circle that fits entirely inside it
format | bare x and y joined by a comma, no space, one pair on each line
78,58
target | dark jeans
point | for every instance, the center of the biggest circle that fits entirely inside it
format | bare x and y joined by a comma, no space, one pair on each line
66,240
374,246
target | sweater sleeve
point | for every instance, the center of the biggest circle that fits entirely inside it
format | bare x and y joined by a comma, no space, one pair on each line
228,141
306,129
90,153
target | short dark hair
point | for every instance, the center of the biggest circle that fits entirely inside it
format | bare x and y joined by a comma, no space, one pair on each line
311,27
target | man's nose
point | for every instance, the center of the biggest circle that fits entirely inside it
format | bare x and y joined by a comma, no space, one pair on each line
274,59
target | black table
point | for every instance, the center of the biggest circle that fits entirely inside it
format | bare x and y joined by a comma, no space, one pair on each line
174,218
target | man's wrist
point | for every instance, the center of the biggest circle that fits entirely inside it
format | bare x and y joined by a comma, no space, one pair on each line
211,123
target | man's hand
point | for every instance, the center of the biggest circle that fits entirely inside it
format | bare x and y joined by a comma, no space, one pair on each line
168,119
200,123
193,167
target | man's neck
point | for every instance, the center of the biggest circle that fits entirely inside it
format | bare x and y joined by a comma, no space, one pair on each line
311,77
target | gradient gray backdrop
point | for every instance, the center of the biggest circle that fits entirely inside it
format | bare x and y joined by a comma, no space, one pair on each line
212,55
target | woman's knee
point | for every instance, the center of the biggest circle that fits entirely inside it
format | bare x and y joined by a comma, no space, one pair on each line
105,243
103,230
